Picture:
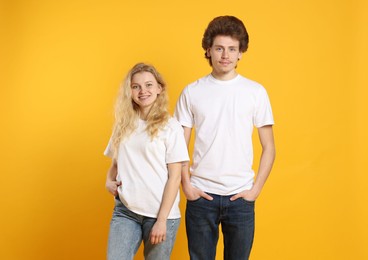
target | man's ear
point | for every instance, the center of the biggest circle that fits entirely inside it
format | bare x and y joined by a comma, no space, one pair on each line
240,55
208,54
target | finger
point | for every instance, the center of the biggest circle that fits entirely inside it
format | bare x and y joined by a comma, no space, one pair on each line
206,196
111,190
235,197
153,240
158,239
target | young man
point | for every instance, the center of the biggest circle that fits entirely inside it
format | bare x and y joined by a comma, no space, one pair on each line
223,107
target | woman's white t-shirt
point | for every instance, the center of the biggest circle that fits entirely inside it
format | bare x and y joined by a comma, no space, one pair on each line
142,167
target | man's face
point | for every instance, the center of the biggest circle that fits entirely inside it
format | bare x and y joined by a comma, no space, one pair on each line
224,55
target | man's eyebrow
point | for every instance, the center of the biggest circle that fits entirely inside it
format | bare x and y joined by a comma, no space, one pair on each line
231,46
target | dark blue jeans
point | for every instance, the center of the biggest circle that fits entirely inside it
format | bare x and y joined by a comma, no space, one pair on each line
203,218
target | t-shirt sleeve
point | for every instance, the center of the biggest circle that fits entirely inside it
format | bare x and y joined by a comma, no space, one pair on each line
183,111
109,152
263,113
176,148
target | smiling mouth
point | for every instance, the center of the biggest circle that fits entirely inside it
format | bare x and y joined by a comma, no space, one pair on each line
143,97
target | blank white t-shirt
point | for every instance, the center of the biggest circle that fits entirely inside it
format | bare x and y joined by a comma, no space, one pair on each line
142,167
223,114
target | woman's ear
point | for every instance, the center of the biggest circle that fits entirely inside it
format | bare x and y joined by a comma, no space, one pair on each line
159,88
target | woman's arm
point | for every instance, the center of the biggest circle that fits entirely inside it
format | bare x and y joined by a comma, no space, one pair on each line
111,183
158,232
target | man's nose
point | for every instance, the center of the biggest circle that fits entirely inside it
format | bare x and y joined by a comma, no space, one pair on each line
225,54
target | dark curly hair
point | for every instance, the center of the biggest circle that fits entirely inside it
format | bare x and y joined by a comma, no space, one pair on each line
227,26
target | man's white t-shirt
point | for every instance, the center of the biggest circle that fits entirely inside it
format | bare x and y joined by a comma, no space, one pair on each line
142,167
223,114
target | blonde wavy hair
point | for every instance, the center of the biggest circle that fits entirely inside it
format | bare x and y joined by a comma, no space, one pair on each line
127,111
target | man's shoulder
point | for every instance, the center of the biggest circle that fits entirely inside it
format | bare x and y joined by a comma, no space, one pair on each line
198,83
249,82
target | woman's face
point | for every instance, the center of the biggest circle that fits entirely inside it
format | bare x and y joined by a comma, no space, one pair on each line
145,90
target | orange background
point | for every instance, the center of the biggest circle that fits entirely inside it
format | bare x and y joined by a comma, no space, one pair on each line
62,62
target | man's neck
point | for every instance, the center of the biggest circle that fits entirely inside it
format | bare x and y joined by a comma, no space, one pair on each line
224,76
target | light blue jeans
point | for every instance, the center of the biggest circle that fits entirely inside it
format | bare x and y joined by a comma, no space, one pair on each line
128,230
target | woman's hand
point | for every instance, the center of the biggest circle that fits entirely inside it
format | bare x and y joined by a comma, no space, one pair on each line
158,232
112,186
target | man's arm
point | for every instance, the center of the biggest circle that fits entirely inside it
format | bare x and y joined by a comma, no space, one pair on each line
191,193
265,165
185,175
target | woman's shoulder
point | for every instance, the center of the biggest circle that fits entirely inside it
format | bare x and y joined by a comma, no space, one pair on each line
174,125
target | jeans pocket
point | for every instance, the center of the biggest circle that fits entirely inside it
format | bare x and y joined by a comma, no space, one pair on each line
193,201
249,201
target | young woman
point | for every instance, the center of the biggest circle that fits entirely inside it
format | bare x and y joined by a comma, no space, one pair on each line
147,148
